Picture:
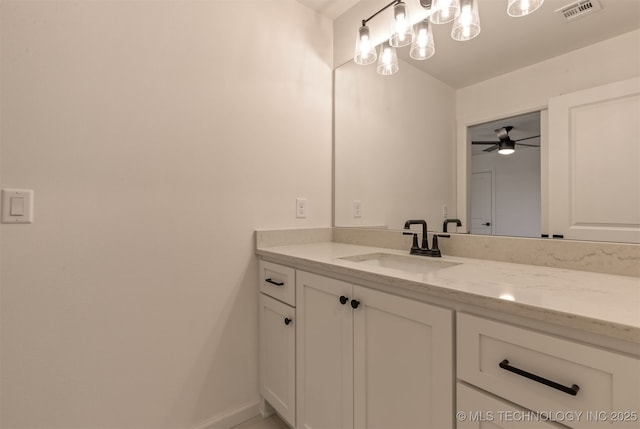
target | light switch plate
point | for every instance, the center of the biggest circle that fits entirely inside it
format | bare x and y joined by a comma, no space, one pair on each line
357,209
301,208
17,206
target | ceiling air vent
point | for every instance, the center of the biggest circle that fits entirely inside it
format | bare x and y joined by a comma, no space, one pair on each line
578,9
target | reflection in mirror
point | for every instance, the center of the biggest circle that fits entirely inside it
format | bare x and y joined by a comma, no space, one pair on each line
402,148
505,189
394,151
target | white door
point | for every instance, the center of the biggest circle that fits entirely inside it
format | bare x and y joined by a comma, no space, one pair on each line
277,356
594,163
403,363
482,203
324,345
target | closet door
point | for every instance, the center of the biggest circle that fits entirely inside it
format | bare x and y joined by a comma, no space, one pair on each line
594,163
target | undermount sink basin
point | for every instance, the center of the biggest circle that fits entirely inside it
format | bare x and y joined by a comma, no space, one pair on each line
406,263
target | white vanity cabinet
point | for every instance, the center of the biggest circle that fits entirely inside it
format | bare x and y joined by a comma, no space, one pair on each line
578,385
367,359
277,338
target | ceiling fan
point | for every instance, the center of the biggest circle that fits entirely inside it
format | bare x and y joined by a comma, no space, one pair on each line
505,145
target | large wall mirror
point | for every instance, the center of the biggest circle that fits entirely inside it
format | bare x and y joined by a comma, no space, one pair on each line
403,143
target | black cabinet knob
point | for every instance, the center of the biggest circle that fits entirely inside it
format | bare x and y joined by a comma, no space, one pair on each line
486,224
343,300
355,303
287,320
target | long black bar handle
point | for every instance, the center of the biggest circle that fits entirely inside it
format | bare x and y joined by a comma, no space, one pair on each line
573,390
273,282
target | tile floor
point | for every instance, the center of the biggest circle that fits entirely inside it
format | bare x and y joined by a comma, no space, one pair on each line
271,422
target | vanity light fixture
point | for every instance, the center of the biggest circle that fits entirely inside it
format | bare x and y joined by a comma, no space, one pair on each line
467,25
518,8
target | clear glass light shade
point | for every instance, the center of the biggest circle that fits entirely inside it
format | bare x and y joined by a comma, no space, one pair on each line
402,30
423,46
387,60
365,50
444,11
467,24
522,7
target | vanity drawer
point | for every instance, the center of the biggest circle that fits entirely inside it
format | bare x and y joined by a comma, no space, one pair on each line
477,410
278,282
522,366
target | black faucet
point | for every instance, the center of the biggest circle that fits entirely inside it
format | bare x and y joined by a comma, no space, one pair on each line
448,221
424,250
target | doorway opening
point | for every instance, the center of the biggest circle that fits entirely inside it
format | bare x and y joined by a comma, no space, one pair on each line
505,194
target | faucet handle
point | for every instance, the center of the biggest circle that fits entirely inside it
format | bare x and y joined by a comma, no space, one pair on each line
414,245
435,251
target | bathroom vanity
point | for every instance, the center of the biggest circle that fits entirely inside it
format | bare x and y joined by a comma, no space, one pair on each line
361,336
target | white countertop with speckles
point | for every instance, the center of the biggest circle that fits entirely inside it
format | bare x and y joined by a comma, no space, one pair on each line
598,303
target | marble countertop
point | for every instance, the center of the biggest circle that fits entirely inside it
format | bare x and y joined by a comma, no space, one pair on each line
603,304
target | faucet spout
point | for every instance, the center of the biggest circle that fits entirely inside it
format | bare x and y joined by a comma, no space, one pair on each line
425,243
448,221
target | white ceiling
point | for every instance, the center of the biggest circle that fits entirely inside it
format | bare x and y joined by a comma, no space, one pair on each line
505,43
330,8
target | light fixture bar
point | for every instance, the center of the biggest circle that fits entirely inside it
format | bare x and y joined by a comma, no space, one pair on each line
364,21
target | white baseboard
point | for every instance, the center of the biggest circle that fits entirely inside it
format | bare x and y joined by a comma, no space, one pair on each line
228,419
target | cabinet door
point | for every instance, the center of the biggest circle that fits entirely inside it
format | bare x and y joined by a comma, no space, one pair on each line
594,163
403,363
277,356
324,340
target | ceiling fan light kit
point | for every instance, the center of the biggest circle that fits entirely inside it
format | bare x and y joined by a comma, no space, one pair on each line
466,26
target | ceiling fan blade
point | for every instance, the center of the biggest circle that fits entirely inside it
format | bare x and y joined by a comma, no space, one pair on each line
526,138
491,149
529,145
482,142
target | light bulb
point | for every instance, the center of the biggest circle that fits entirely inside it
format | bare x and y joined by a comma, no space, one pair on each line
423,47
401,32
365,51
388,60
467,24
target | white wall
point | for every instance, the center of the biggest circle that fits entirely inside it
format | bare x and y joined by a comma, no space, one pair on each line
529,89
517,191
157,136
393,150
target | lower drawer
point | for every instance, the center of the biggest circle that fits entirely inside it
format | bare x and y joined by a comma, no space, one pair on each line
549,374
477,410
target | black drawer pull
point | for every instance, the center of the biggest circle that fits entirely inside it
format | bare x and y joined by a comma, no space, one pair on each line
273,282
287,320
573,390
